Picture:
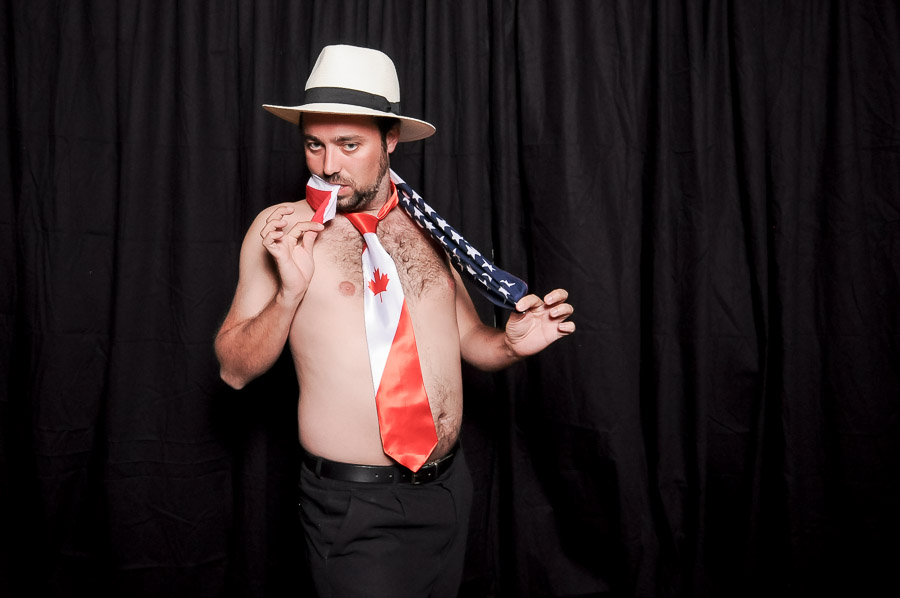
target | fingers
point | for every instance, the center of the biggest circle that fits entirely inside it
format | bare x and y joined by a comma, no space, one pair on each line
309,239
566,327
553,307
276,222
279,212
560,310
305,233
299,228
275,230
556,296
528,302
563,311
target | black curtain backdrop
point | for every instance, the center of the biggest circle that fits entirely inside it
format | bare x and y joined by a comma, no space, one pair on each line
716,183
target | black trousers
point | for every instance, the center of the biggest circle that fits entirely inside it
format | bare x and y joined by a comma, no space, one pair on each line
387,540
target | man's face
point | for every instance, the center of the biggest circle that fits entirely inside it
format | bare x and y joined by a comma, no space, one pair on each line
347,150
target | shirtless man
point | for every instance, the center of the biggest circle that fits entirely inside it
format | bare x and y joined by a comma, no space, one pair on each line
301,283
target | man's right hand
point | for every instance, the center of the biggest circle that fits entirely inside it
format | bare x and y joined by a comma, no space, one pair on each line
292,250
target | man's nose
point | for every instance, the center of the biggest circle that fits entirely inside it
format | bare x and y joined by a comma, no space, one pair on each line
331,163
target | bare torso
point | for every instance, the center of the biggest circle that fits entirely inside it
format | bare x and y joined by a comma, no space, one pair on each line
336,411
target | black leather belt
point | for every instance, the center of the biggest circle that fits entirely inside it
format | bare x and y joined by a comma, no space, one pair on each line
379,474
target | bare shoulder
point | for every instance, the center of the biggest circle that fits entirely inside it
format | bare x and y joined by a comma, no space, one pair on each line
292,211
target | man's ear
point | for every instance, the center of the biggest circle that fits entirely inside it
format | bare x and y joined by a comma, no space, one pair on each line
392,137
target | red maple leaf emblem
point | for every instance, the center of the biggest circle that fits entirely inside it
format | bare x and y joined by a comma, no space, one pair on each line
379,285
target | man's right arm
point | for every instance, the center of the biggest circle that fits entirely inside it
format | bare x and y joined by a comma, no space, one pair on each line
275,269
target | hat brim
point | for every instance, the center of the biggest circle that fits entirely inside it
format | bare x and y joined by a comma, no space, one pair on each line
411,129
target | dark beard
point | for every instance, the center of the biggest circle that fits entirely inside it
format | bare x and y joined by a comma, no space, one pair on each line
363,197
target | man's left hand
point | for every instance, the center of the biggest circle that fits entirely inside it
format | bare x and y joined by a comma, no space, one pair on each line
537,323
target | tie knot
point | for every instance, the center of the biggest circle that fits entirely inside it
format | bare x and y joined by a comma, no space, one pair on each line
364,223
367,223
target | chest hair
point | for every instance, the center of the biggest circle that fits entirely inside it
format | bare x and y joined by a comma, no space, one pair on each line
420,264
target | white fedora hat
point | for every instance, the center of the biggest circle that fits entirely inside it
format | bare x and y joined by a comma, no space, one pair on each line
352,80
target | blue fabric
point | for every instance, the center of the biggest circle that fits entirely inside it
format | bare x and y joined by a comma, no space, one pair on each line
499,286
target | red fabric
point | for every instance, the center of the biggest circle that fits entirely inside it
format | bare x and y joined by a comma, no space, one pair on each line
404,413
317,200
365,223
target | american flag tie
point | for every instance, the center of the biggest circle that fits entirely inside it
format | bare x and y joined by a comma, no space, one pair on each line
500,287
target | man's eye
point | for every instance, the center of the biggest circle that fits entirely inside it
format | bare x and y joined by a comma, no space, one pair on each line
313,145
350,147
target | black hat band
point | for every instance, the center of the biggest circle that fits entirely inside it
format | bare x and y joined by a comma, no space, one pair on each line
353,97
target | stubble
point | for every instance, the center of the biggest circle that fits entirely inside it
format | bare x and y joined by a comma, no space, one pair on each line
362,198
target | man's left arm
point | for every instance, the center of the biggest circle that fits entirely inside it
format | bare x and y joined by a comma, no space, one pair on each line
534,325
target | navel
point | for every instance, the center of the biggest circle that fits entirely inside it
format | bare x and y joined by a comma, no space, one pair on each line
347,288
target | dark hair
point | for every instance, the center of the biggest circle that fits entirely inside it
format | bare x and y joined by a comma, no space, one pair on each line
384,124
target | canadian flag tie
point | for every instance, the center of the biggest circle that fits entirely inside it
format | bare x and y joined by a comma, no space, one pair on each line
404,414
